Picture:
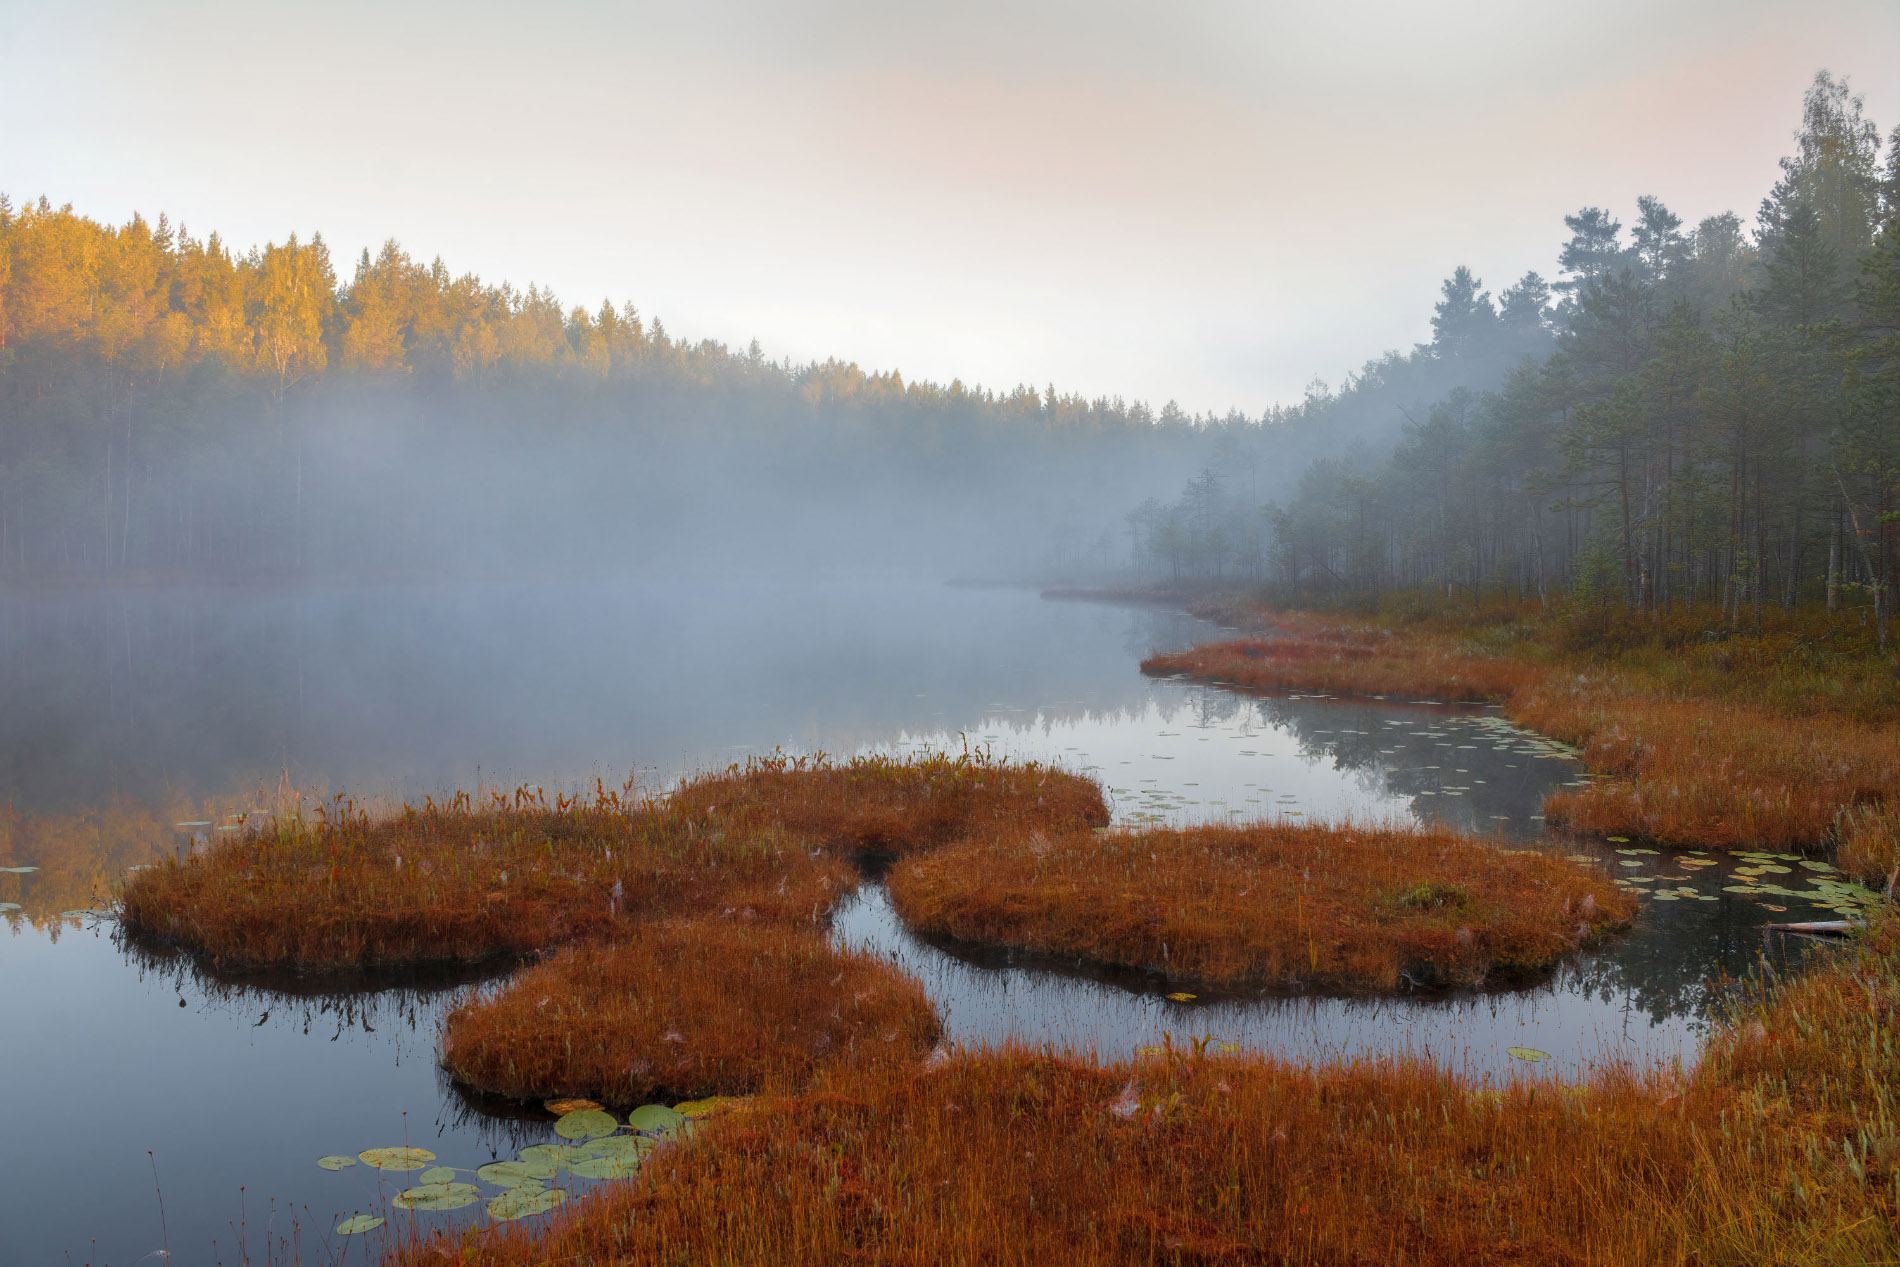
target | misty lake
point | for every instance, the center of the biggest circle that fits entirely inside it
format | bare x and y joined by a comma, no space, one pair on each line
152,1105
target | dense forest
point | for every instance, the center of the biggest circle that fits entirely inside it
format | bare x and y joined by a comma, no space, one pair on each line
169,407
1706,414
172,408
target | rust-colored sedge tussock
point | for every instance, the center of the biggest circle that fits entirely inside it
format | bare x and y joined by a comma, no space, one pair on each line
1780,1148
1274,906
1688,767
468,880
685,1009
1350,663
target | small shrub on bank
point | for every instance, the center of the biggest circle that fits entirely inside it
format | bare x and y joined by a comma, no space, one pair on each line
685,1009
1273,906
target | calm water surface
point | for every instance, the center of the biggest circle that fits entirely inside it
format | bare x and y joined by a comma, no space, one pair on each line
154,1107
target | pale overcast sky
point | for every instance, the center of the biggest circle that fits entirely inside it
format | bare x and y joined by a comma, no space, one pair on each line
1206,202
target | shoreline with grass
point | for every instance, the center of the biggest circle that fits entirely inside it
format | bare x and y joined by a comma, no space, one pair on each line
1699,741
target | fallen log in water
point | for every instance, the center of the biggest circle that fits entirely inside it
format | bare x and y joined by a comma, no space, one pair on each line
1834,927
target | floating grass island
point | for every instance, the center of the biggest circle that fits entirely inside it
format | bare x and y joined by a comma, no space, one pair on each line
689,1008
1269,906
510,877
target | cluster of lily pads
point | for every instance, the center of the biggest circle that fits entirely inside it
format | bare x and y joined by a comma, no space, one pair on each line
599,1147
1757,876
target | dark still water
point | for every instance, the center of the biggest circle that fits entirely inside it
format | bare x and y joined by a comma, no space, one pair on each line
127,1080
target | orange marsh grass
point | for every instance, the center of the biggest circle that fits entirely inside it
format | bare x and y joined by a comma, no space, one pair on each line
463,881
1688,767
1779,1149
1276,906
687,1009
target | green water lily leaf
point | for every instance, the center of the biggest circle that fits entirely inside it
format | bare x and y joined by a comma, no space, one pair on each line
1629,862
335,1162
624,1167
1666,896
521,1203
585,1124
396,1158
654,1117
558,1155
359,1223
1809,864
1527,1053
621,1146
437,1174
438,1196
515,1174
1740,888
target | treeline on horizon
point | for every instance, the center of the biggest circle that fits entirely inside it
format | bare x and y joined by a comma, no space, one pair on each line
170,407
1715,418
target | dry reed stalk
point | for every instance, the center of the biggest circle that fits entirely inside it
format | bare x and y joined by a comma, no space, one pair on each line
687,1009
1869,837
1278,906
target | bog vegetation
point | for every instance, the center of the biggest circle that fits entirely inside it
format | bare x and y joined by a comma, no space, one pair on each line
686,1009
1703,743
463,881
1277,906
1780,1148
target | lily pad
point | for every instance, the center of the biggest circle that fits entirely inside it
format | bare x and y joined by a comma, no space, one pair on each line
624,1167
585,1124
1182,996
652,1118
521,1203
561,1108
559,1155
514,1174
619,1146
396,1158
1619,840
1809,864
1666,896
438,1196
335,1162
707,1107
1527,1053
437,1174
1740,888
358,1223
1629,862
